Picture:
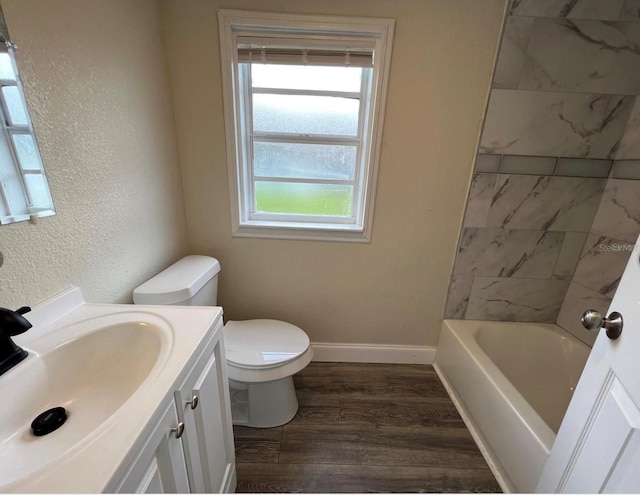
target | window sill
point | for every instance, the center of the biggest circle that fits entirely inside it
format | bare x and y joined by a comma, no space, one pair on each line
6,220
301,231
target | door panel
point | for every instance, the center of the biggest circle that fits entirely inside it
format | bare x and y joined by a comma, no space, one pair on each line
160,468
615,423
203,405
598,442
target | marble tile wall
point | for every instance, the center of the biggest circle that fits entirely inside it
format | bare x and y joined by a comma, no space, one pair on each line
544,203
547,123
578,9
604,256
630,143
608,61
554,206
567,81
517,252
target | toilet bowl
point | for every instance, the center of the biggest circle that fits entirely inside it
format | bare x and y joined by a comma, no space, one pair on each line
262,355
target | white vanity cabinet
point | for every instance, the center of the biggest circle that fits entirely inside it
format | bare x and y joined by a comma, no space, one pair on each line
191,449
203,405
160,466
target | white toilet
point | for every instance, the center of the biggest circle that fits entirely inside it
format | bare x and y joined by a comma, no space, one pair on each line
262,355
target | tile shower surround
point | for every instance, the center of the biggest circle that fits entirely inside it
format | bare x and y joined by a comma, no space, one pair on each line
578,9
553,209
567,86
530,242
543,123
518,247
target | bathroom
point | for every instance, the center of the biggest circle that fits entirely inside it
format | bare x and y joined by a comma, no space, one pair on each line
126,100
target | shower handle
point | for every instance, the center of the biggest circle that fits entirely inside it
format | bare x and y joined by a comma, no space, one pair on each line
593,320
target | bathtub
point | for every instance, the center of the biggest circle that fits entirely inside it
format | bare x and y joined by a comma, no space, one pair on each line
511,383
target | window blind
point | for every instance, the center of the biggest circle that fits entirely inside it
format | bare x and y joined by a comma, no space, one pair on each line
270,51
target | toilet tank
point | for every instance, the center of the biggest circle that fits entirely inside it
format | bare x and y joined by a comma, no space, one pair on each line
192,281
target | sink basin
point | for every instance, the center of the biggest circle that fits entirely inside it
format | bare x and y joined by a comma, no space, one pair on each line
92,368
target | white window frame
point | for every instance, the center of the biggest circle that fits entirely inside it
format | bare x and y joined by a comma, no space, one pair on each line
377,33
8,130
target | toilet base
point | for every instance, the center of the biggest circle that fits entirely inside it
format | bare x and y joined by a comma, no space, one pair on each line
263,404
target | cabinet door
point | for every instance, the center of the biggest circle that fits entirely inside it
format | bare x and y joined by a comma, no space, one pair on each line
160,467
208,438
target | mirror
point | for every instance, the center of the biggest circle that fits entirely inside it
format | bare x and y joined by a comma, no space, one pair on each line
24,190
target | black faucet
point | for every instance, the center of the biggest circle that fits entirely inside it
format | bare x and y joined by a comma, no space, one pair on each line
12,323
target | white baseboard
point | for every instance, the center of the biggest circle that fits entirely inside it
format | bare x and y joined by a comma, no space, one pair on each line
373,353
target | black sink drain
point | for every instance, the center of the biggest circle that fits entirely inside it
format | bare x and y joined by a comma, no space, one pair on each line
49,421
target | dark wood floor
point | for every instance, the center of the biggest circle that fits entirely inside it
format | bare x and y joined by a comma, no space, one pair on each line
364,428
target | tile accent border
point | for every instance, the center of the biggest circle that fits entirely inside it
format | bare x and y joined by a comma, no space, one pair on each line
626,169
583,167
555,166
372,353
532,165
487,163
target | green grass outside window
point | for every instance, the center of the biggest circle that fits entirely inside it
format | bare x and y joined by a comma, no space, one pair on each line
303,199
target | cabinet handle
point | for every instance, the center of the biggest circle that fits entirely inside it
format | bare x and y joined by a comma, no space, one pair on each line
179,430
194,402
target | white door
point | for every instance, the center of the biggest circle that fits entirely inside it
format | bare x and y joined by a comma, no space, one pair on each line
597,449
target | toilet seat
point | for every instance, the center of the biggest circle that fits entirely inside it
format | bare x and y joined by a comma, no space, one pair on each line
265,350
263,343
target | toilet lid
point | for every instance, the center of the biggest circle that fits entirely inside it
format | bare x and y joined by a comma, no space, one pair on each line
263,343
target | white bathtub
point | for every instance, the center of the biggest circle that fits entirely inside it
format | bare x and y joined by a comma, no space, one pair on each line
512,383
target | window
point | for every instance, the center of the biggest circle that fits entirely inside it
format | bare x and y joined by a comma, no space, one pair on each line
24,191
304,103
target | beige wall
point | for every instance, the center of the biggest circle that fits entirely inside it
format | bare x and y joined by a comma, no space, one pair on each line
96,83
391,291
